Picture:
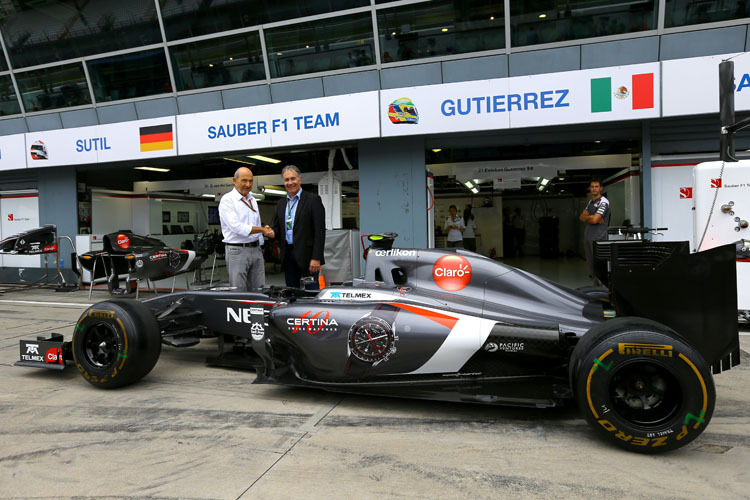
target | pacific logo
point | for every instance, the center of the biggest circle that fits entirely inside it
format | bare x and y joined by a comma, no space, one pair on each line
451,273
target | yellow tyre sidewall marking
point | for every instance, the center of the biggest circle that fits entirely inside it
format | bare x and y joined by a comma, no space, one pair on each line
703,386
588,382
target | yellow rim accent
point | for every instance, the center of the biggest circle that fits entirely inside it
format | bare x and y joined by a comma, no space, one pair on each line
703,386
588,382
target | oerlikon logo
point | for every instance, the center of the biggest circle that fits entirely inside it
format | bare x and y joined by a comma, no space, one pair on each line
123,241
451,273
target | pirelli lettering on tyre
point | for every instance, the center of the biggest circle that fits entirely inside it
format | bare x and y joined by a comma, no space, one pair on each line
98,313
664,351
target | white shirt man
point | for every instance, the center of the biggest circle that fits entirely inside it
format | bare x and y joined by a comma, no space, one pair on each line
243,234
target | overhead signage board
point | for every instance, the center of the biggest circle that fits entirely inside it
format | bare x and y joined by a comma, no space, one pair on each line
142,139
596,95
12,152
449,107
691,86
324,119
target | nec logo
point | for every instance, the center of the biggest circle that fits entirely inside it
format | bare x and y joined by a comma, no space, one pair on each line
686,193
243,315
716,183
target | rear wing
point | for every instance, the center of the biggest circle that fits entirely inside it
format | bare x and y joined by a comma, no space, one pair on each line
694,294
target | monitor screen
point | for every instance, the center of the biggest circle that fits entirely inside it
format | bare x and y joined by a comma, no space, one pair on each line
213,215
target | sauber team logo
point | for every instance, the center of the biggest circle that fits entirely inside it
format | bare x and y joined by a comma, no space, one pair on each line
320,321
686,192
716,183
451,273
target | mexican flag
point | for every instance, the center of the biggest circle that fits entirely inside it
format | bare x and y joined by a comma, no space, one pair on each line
639,91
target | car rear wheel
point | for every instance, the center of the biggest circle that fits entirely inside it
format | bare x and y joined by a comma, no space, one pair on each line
116,343
641,386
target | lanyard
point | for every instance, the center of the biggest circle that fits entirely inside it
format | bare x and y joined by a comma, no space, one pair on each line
247,204
290,206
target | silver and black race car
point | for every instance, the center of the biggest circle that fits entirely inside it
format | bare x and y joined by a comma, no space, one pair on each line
452,325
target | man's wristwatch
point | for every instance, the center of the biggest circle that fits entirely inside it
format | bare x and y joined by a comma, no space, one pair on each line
372,339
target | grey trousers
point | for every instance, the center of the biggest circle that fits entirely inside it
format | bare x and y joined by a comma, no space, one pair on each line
246,267
589,248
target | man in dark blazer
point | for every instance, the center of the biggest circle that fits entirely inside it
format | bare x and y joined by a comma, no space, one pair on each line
299,228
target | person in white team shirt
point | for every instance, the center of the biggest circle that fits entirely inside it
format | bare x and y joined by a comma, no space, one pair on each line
454,226
243,234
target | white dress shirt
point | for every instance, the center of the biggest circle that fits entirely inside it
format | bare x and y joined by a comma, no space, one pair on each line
237,219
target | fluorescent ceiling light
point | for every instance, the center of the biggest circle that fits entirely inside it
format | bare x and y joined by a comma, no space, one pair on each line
544,181
492,18
542,16
477,181
239,161
444,30
474,190
208,195
278,192
265,158
598,142
436,150
152,169
468,184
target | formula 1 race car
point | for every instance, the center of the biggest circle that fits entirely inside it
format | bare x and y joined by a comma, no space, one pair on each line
141,257
453,325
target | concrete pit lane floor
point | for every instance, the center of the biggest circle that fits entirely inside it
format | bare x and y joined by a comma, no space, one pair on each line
192,431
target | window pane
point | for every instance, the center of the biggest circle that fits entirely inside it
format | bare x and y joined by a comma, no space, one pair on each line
131,75
683,13
220,61
336,43
42,31
8,100
189,18
549,21
440,28
3,64
52,88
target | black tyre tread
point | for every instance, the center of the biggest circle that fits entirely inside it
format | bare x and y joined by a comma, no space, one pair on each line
144,342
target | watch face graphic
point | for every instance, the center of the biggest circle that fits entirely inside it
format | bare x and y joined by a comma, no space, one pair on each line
371,339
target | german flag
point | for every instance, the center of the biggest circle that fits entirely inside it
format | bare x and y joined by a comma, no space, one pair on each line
157,138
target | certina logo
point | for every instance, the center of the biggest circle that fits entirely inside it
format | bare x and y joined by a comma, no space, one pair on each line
395,252
123,241
451,273
663,351
243,315
686,193
320,321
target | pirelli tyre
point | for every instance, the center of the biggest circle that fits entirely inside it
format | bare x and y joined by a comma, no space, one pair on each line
116,343
641,386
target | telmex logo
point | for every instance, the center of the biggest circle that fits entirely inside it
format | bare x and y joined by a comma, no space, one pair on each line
451,273
123,241
664,351
314,323
395,252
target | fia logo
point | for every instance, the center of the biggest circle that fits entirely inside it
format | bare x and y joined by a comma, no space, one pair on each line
686,192
716,183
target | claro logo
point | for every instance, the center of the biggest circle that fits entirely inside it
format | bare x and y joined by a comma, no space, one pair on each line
321,320
123,241
451,273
